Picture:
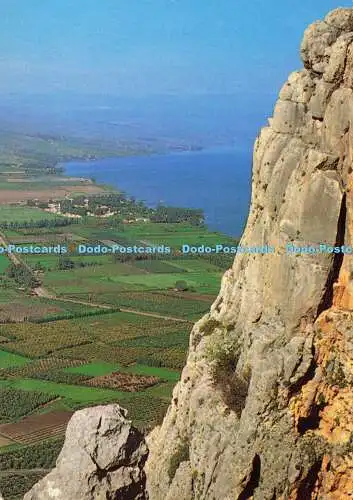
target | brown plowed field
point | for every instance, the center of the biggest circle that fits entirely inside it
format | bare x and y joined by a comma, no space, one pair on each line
14,196
123,381
36,427
18,311
5,441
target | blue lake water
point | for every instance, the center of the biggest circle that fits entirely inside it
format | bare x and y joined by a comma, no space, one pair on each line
216,180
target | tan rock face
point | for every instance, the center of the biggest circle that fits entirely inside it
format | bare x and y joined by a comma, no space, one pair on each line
103,457
264,406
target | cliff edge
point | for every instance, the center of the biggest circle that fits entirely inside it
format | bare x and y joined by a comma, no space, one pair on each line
264,408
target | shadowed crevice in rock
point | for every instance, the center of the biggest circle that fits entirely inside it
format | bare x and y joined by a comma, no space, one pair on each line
254,480
307,486
327,299
126,493
312,421
308,375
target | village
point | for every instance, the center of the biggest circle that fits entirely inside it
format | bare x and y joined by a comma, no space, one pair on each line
102,206
123,208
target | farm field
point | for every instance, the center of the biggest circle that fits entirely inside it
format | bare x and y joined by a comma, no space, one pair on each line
86,329
8,359
98,369
66,350
65,347
74,393
20,307
72,345
4,263
173,235
163,373
106,278
94,369
19,214
36,427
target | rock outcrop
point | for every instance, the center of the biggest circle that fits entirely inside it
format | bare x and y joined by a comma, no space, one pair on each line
264,408
102,458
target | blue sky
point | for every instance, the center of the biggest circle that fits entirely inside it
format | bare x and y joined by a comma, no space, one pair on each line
144,47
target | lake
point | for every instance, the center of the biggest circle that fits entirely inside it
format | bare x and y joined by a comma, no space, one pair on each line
216,180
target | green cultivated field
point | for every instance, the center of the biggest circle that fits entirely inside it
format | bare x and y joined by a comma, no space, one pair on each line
23,214
65,344
97,369
162,373
165,281
75,393
4,262
8,359
94,369
16,402
173,235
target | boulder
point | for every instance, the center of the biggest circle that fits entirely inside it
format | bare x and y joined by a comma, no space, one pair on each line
103,457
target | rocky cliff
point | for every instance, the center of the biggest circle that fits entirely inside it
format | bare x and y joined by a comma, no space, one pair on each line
264,408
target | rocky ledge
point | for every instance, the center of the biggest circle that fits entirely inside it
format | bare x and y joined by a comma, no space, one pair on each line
102,458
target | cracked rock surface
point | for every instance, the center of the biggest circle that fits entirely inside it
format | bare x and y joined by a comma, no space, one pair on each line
102,458
264,408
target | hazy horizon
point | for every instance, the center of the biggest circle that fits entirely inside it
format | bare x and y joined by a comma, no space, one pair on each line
203,72
199,120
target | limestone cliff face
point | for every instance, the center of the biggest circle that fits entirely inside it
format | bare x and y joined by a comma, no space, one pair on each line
264,408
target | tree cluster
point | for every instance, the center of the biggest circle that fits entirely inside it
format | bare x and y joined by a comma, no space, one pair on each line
177,215
22,275
46,223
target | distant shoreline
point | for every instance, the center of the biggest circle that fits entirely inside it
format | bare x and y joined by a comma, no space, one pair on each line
162,178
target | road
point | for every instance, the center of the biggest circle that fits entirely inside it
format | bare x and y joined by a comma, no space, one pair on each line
40,291
12,256
155,315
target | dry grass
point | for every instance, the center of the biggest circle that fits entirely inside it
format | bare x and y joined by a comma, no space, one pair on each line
15,196
18,311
